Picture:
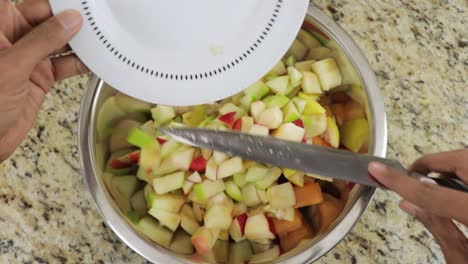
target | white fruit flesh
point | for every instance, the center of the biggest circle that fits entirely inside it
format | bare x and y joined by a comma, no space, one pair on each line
246,123
229,167
332,134
259,130
168,219
279,85
118,138
278,69
194,177
281,196
257,228
307,39
311,83
290,113
162,114
233,191
256,173
314,124
168,148
289,131
250,196
328,73
208,188
295,76
271,118
167,202
256,108
187,187
271,177
218,216
219,157
169,182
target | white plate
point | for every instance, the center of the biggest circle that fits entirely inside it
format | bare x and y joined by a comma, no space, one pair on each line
183,52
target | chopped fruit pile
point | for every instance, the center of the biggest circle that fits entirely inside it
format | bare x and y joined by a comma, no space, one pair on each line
224,209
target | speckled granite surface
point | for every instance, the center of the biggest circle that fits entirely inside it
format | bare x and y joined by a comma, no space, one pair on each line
419,50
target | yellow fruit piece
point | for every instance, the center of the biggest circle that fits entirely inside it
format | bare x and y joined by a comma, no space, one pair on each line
355,134
332,134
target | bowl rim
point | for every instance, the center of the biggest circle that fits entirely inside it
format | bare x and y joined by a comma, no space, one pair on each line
343,225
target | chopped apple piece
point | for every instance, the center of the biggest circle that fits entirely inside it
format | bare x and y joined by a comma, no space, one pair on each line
239,208
271,177
279,85
260,130
304,65
206,153
310,194
219,199
328,73
257,227
228,118
167,202
208,188
188,221
257,108
310,83
125,185
169,182
281,196
168,148
256,173
237,228
246,123
224,235
313,108
277,100
290,113
239,179
233,191
219,157
219,217
290,61
142,140
240,252
221,251
299,103
296,178
332,134
195,117
297,49
182,243
194,177
154,231
271,118
250,196
355,134
266,256
278,69
118,138
295,77
204,239
286,214
138,202
168,219
262,196
316,176
257,90
314,124
228,108
211,169
289,131
162,114
307,39
187,187
108,114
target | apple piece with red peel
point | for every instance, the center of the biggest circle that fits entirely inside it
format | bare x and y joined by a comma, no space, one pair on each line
271,118
256,108
289,131
228,118
281,196
161,140
240,252
211,169
237,125
198,164
229,167
228,108
266,256
237,228
219,217
118,138
258,227
204,239
259,130
194,177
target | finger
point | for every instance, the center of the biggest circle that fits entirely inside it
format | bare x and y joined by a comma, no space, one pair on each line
62,50
4,42
35,11
452,241
452,161
68,66
44,39
433,198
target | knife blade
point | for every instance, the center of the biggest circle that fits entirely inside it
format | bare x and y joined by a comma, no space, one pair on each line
327,162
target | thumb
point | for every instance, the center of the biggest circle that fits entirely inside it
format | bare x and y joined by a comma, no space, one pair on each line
452,241
46,38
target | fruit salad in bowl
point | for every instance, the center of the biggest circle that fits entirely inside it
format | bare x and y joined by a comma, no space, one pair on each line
201,205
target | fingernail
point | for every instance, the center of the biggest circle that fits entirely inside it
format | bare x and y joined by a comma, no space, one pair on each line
377,171
70,19
408,207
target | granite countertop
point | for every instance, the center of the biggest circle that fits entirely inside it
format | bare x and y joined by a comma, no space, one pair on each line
419,51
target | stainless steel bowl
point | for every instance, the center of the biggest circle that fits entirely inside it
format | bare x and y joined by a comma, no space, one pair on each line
93,153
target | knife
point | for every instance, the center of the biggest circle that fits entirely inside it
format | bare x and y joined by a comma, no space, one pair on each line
334,163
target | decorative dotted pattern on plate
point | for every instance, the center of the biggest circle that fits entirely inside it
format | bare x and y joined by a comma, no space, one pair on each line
124,59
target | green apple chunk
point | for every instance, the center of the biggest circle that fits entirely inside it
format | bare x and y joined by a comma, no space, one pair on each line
328,73
140,139
289,131
257,228
266,256
308,40
208,188
278,69
167,202
319,53
355,134
182,243
162,114
299,103
204,239
278,100
218,216
246,101
312,107
149,158
130,104
167,219
332,134
290,113
168,148
290,61
295,76
233,191
250,196
257,108
279,85
297,49
239,179
169,182
195,117
179,160
188,221
229,108
257,90
108,114
281,196
138,202
125,185
154,231
314,124
271,177
240,252
118,138
271,117
256,173
311,83
230,167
